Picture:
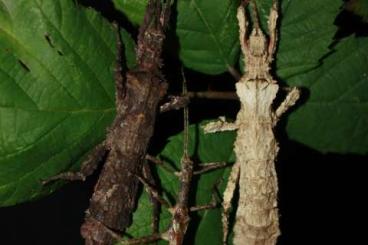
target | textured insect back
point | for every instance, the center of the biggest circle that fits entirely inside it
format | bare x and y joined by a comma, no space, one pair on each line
256,220
151,37
137,98
256,149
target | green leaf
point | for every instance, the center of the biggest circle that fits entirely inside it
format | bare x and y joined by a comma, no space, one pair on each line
335,116
129,48
205,148
133,9
207,32
56,91
208,35
306,32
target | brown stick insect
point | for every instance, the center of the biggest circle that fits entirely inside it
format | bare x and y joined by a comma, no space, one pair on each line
180,212
256,148
137,102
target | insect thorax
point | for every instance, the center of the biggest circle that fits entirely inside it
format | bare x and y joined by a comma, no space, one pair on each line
257,59
256,99
257,43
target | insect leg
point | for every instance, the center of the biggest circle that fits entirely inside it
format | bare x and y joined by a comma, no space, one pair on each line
228,196
153,191
165,165
272,22
174,103
87,167
289,101
243,27
205,167
104,231
147,174
220,125
215,201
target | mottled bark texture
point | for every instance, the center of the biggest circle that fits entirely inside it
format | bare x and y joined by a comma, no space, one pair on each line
138,94
256,221
114,198
137,102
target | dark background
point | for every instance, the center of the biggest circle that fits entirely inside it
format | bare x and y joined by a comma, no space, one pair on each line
321,196
322,201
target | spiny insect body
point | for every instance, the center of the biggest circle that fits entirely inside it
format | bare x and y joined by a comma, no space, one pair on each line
256,221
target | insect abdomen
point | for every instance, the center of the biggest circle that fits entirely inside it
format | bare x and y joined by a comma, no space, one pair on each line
257,215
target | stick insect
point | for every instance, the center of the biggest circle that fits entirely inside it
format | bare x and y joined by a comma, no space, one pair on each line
256,148
138,95
180,212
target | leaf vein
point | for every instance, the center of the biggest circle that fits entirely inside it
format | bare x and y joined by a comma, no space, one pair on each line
211,32
77,55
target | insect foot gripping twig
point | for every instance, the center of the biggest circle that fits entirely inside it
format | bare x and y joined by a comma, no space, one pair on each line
137,98
256,221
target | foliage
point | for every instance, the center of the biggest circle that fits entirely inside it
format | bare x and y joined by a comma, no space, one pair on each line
57,89
57,97
332,119
204,150
358,7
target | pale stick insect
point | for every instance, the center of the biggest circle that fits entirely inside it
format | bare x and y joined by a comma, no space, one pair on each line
180,212
256,220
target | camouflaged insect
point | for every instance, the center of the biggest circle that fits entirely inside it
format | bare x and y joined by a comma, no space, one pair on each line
256,221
